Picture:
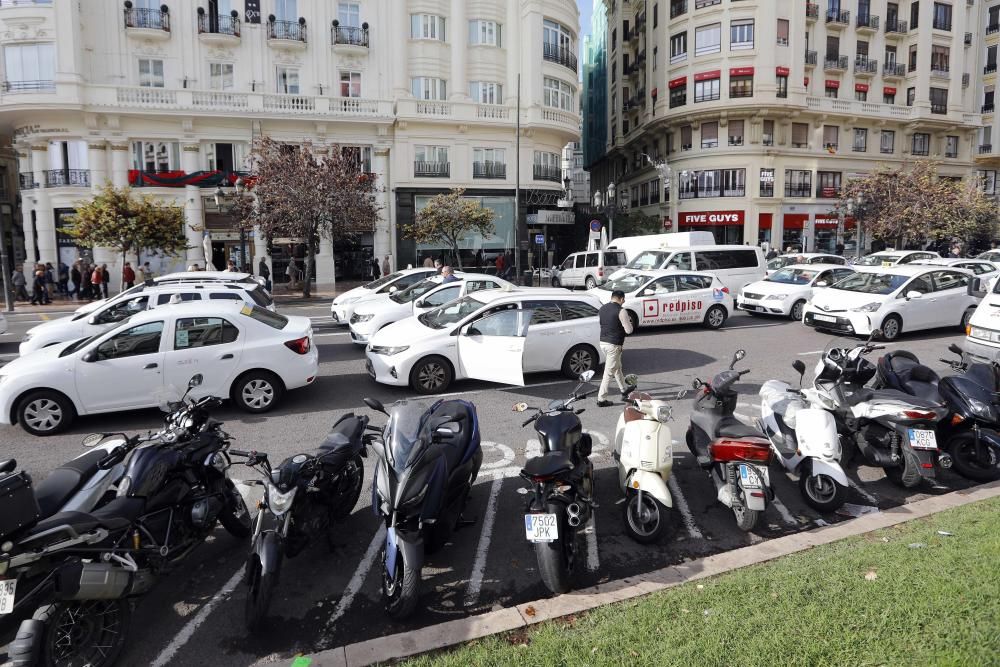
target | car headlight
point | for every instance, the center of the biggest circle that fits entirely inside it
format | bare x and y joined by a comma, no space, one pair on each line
362,318
280,502
775,297
868,307
975,332
389,351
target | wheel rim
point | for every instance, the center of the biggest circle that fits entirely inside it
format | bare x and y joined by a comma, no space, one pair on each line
715,317
797,311
591,284
821,488
85,633
967,452
890,329
643,520
43,414
580,362
431,376
966,318
392,584
258,393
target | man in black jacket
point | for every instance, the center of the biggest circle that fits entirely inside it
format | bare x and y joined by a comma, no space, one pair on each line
615,325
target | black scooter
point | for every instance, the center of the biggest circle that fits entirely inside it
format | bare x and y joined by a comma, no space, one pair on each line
970,433
429,458
561,497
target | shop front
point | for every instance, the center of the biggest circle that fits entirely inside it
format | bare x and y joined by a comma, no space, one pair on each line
726,226
793,234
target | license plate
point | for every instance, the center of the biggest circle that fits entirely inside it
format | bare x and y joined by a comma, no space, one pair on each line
824,318
541,527
369,367
7,588
921,439
753,477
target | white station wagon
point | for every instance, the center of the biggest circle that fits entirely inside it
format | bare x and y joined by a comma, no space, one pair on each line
665,296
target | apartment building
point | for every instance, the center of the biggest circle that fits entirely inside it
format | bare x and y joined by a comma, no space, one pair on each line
595,85
763,109
987,40
168,97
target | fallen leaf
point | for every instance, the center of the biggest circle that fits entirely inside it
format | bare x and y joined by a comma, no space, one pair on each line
871,576
686,611
593,650
774,595
529,610
633,654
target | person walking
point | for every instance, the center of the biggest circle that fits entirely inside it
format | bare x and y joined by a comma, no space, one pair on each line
105,279
39,295
292,272
386,268
146,272
128,276
50,280
448,275
264,273
63,280
376,269
615,325
96,279
19,282
428,262
85,281
438,265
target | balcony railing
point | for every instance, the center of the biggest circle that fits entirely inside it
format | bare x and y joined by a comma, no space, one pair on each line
56,178
143,17
812,11
992,28
767,189
349,35
738,191
28,86
811,57
894,69
431,169
987,108
560,55
26,181
939,108
862,65
838,17
544,172
922,151
219,25
489,170
985,149
940,69
895,27
23,3
677,8
869,21
800,191
835,62
990,68
293,31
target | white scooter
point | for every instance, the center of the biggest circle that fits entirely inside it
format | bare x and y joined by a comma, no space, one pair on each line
805,440
644,453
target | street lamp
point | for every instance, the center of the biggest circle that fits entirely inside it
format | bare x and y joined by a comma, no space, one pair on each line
667,176
610,205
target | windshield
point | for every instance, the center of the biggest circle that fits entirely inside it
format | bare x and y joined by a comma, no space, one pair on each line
649,259
877,260
375,284
450,313
630,282
871,283
779,263
414,291
70,349
792,276
406,421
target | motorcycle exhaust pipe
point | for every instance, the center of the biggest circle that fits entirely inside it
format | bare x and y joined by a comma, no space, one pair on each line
573,515
945,460
93,581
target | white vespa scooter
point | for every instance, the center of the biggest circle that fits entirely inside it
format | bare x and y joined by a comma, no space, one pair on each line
644,453
805,441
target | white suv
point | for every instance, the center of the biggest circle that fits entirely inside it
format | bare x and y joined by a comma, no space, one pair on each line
588,269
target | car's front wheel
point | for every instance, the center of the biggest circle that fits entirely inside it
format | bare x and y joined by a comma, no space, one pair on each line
892,327
257,391
591,282
797,308
431,375
45,412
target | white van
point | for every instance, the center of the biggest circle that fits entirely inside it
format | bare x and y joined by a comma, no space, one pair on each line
735,265
588,269
633,245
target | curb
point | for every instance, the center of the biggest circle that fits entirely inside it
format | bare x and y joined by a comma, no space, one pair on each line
451,633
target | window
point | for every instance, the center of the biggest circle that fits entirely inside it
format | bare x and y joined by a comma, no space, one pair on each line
710,135
203,331
678,96
556,38
831,134
951,146
767,182
558,94
921,143
887,142
432,154
914,15
800,135
988,182
767,135
798,183
991,59
349,14
741,34
427,26
860,140
946,280
939,100
782,32
706,91
427,88
708,39
940,58
135,341
153,156
443,296
350,84
860,95
678,47
913,58
656,15
698,4
486,92
942,16
734,182
709,183
656,51
225,296
543,312
484,32
829,184
494,156
889,98
782,82
286,10
546,159
741,86
575,310
288,80
715,260
150,73
361,156
220,76
685,137
736,132
911,94
831,91
27,65
164,299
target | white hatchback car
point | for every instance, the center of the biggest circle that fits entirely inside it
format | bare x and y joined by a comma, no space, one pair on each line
244,352
666,296
893,299
489,336
895,257
786,291
781,261
373,314
344,304
112,311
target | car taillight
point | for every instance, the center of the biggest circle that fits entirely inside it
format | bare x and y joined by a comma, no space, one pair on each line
725,290
600,273
919,414
299,345
740,450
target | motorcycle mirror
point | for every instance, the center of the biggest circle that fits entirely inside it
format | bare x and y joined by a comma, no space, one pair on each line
740,354
519,407
93,439
587,376
955,348
799,366
375,405
631,380
681,394
695,383
195,381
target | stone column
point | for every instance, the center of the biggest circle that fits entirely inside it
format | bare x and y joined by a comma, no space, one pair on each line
400,31
97,160
194,224
383,227
459,43
29,237
45,226
39,163
119,165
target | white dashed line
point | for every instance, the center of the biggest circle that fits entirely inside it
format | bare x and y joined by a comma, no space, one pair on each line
593,558
872,500
483,550
358,580
786,516
680,502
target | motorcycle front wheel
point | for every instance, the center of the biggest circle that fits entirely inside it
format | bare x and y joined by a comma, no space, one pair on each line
822,492
401,589
556,559
647,522
967,464
88,632
260,588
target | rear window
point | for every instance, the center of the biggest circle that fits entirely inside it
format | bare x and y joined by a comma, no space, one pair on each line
543,312
592,259
261,297
717,260
265,316
687,283
614,259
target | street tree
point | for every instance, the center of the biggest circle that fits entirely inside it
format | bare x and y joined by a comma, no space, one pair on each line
637,223
306,192
449,218
120,219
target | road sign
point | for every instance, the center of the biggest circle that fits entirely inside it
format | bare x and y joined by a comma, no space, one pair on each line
539,239
595,225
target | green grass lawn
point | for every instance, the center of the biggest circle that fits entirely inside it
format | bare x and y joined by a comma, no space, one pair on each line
900,596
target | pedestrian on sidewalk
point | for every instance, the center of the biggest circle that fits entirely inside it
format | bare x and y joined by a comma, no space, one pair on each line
19,282
264,273
50,280
615,325
293,273
39,293
96,278
63,280
376,269
128,276
386,268
85,286
105,279
74,280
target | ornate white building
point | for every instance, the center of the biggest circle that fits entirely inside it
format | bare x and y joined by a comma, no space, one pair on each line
169,97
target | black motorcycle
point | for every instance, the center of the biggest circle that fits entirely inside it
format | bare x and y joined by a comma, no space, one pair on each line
561,496
970,433
429,459
305,495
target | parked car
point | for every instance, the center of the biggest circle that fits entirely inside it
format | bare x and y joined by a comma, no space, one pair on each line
979,267
490,336
661,297
588,269
781,261
735,265
893,299
990,256
344,304
119,308
894,257
247,353
183,277
983,328
786,291
373,314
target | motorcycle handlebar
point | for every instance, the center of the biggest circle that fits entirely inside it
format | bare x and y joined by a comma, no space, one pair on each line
240,452
529,420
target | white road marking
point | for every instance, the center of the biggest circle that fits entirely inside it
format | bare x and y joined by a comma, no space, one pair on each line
680,502
483,550
358,580
593,559
786,516
872,500
184,636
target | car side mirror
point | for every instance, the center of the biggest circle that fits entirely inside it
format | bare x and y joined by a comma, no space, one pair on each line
393,289
821,283
92,320
375,405
419,304
975,288
90,357
913,294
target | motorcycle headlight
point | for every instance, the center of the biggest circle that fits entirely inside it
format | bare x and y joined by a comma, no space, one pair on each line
775,297
868,307
363,318
980,409
280,502
664,413
415,499
389,351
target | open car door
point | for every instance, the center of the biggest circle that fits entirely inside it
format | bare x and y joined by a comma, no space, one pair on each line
491,348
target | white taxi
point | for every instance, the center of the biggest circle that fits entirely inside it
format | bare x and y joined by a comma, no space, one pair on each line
896,257
666,296
786,291
344,304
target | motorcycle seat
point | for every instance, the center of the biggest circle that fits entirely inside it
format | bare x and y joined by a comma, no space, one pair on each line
907,368
924,390
347,430
549,464
864,395
82,522
731,427
463,427
60,485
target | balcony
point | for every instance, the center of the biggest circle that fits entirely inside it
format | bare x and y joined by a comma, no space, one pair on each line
894,70
992,28
895,28
940,70
489,170
874,110
26,181
544,172
218,29
147,22
865,67
678,8
29,86
291,34
940,109
985,149
837,19
835,63
431,169
559,55
811,58
987,108
349,38
800,191
812,11
60,178
866,23
990,68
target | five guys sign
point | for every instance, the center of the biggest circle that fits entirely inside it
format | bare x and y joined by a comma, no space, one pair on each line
711,219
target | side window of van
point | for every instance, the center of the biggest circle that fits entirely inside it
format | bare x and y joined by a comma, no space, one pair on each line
592,259
614,258
716,260
568,264
681,260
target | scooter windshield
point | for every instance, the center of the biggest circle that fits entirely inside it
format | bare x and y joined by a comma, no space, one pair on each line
406,433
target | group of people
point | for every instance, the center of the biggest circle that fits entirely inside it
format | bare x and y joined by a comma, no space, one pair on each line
504,263
82,281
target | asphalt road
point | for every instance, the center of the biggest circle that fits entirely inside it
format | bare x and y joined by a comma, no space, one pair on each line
331,597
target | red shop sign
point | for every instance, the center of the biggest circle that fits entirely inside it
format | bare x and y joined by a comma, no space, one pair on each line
711,219
741,71
826,222
861,87
832,83
678,82
705,76
782,71
795,220
889,91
